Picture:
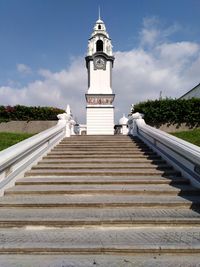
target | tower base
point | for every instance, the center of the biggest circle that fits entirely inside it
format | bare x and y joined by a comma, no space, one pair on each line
100,120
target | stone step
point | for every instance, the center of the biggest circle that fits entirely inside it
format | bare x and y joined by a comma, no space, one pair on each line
100,172
101,260
100,200
101,140
103,149
66,217
99,156
102,180
101,240
100,137
104,189
100,161
103,145
106,152
113,166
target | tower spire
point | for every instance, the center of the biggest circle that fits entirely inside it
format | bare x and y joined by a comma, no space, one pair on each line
99,13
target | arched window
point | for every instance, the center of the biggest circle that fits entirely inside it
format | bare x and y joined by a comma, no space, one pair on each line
99,27
99,45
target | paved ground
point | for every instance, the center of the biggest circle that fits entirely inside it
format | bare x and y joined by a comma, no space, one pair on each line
98,200
100,239
97,216
156,260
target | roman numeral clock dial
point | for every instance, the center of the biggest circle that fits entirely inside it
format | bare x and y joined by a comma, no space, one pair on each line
99,63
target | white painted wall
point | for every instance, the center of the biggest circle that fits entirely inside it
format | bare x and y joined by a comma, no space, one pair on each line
100,120
100,80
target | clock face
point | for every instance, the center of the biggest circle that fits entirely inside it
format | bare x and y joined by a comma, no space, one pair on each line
100,63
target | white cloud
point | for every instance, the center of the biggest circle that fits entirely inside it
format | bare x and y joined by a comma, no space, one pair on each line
45,73
138,74
22,68
178,51
54,89
153,32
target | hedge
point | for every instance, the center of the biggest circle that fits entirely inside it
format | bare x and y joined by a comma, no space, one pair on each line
170,111
24,113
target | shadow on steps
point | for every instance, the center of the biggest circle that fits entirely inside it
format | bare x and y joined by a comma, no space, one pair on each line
187,190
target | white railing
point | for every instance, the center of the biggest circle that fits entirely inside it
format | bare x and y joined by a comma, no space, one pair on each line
15,160
183,155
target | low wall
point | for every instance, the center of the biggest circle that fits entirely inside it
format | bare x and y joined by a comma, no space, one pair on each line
39,126
173,128
26,126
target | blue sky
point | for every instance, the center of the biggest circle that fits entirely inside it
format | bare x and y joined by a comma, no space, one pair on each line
43,44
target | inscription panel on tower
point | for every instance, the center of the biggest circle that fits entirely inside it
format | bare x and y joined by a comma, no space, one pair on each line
99,100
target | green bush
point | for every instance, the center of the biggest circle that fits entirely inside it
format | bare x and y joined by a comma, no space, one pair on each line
170,111
24,113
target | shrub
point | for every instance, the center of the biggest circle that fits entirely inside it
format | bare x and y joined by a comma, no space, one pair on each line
170,111
24,113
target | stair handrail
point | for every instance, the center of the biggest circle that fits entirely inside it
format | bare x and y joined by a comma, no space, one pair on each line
17,158
181,154
16,152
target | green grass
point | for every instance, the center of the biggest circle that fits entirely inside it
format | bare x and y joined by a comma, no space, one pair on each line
9,139
192,136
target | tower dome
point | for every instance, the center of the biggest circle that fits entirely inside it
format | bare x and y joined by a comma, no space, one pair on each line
99,40
99,28
123,120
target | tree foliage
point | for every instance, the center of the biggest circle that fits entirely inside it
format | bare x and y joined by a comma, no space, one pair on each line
170,111
24,113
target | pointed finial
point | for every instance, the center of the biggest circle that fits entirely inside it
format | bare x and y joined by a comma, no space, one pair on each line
68,110
99,13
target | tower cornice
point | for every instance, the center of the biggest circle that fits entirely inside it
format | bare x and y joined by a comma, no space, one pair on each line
102,54
99,34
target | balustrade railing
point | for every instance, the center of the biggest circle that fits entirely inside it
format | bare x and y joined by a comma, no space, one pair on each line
15,160
183,155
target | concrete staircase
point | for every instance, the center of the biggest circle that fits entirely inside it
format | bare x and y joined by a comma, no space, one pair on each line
108,199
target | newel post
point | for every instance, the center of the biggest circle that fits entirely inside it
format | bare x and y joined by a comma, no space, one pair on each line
66,119
132,123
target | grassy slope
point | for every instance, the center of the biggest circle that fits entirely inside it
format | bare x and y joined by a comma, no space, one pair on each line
192,136
9,139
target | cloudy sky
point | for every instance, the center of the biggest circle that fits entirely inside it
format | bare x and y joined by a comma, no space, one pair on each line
43,44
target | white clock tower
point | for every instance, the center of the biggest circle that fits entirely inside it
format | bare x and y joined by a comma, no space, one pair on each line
99,97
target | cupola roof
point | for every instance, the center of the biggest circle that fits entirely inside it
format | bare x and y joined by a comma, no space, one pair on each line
123,120
99,27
